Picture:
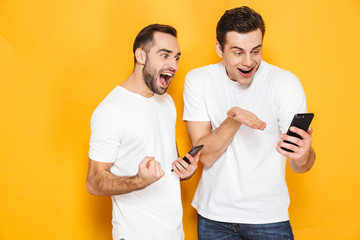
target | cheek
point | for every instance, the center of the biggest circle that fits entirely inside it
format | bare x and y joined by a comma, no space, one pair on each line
232,60
258,58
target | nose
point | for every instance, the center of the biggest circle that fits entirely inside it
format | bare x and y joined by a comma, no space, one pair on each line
247,60
173,64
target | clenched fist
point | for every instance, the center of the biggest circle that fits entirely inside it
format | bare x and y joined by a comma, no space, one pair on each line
149,171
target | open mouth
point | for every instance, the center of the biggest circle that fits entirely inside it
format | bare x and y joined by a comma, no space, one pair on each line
244,72
165,78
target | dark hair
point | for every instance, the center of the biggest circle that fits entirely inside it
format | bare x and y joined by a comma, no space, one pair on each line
242,20
145,38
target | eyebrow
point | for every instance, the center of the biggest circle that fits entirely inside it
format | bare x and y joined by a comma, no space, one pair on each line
258,46
167,51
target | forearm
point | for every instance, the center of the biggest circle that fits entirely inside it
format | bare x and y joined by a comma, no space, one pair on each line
216,143
305,165
107,184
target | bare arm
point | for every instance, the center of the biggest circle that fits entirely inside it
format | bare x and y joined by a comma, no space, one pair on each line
217,141
303,156
100,181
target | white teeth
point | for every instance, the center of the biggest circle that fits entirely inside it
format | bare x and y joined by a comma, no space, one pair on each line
167,74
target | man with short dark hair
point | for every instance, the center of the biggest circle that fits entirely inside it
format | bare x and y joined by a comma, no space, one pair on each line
238,109
133,144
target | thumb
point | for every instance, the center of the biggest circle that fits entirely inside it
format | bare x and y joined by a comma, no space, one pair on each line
146,161
231,112
310,131
197,157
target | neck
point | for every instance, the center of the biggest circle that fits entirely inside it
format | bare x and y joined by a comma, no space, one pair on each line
135,83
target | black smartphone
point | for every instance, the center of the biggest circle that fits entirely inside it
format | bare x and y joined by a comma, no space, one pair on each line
302,121
193,152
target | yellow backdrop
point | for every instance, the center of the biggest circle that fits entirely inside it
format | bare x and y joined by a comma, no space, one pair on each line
60,58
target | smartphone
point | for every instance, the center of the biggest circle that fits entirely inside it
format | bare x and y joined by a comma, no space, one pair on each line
193,152
302,121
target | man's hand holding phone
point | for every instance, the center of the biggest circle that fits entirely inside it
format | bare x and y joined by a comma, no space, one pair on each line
296,143
300,151
185,167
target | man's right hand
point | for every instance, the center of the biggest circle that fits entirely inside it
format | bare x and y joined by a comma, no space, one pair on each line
246,117
149,171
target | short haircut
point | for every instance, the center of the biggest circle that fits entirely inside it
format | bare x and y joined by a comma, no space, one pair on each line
145,38
242,20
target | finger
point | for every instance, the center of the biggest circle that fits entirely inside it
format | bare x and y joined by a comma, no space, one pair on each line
283,152
289,146
162,173
146,161
190,158
231,112
299,131
310,131
182,164
150,166
196,158
158,168
176,169
260,125
292,139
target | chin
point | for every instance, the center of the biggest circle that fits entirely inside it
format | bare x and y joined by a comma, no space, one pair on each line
245,82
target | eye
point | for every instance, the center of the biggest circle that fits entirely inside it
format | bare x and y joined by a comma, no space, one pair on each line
177,59
164,56
237,53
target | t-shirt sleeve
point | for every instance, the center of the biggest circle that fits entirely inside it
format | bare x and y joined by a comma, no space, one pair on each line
105,137
194,99
291,100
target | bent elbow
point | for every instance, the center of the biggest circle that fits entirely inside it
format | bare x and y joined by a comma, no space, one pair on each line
91,188
206,162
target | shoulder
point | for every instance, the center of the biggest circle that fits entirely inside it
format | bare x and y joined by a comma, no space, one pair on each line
279,74
208,70
205,77
109,106
280,78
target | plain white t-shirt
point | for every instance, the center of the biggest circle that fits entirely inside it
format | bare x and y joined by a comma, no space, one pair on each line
125,128
247,183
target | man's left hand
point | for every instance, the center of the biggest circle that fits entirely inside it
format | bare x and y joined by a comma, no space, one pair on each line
300,159
183,169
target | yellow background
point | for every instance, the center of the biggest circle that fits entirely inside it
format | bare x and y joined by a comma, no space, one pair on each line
60,58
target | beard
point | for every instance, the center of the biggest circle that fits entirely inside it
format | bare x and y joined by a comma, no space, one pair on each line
150,77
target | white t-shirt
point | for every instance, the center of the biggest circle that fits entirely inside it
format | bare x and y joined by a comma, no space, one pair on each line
247,183
125,128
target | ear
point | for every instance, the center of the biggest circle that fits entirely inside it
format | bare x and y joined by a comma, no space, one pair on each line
140,55
218,49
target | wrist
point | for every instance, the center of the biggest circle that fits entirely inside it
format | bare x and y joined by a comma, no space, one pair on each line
301,165
233,121
138,181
